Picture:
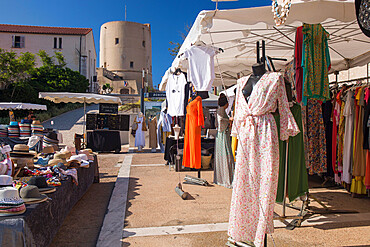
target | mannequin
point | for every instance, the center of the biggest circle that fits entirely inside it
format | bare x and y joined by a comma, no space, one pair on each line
140,135
258,71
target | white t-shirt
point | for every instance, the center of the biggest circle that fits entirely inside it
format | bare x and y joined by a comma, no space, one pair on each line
201,70
175,93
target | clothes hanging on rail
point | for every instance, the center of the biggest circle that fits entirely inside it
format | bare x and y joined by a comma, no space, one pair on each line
201,66
223,158
175,93
348,137
297,179
192,139
298,63
327,110
257,161
316,141
315,63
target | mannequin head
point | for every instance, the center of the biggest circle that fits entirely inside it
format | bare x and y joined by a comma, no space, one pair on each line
258,69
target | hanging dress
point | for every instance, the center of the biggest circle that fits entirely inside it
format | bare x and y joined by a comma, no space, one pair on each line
153,133
297,181
257,162
348,137
193,125
224,160
140,135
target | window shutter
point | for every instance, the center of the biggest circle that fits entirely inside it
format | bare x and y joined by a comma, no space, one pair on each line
13,41
22,42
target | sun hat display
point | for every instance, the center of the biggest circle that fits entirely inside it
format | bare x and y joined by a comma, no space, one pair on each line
24,130
3,130
41,162
21,151
41,183
20,162
80,159
13,130
10,202
6,180
54,162
37,128
31,194
48,150
67,154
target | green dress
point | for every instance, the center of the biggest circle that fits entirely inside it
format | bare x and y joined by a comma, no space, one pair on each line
297,175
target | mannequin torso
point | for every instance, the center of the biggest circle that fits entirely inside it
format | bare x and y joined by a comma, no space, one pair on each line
258,71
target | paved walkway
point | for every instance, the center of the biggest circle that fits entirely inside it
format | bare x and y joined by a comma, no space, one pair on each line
70,123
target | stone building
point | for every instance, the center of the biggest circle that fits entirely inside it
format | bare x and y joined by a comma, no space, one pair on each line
76,44
125,50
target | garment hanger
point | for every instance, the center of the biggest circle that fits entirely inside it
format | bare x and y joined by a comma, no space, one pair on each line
178,71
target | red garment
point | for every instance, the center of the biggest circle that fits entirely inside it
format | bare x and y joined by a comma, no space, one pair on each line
192,144
298,63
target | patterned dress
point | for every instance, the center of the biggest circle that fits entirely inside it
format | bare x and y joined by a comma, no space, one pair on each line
224,160
257,160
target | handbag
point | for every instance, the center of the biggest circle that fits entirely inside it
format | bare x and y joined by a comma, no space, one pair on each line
134,126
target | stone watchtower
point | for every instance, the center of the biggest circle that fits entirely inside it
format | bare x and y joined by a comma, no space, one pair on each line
125,49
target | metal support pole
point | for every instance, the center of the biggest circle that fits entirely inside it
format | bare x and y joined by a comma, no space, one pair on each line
285,176
142,93
84,126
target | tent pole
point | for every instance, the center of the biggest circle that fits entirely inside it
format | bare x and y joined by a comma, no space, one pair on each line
84,126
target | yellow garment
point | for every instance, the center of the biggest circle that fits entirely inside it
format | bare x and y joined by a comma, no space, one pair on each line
358,185
234,145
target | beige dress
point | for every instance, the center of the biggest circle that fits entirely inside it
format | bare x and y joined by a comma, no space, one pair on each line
153,133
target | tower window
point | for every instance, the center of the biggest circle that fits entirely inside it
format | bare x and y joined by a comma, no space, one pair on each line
55,43
143,43
131,64
117,41
60,43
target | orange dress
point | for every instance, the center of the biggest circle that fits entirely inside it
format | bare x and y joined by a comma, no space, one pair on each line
194,122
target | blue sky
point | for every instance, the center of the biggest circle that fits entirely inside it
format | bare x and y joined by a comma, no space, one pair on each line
167,18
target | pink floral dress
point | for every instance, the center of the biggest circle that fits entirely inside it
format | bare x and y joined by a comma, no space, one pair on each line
257,161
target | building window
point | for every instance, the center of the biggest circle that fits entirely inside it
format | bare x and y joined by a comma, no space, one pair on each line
143,43
18,41
56,45
131,64
117,41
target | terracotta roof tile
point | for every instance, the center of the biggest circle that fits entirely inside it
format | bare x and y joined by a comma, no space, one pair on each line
43,30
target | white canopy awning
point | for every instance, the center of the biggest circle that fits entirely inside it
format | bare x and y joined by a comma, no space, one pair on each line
237,30
21,106
88,98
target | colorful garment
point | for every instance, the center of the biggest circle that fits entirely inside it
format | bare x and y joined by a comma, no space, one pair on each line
298,63
224,160
192,144
297,180
348,137
359,163
341,129
316,141
315,63
257,162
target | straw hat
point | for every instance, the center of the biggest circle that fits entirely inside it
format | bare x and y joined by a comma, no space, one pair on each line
21,150
54,162
31,194
41,184
6,180
22,162
9,198
36,122
48,150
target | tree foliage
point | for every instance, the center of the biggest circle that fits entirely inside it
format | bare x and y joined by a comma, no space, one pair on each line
23,81
15,69
175,46
107,88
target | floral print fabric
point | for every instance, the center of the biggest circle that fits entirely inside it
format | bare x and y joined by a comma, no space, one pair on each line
257,160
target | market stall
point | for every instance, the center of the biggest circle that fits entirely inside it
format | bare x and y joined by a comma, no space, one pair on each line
41,221
96,139
318,37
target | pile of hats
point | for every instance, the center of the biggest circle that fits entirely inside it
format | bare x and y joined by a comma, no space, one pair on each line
37,128
25,130
51,139
3,131
10,202
22,156
13,130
